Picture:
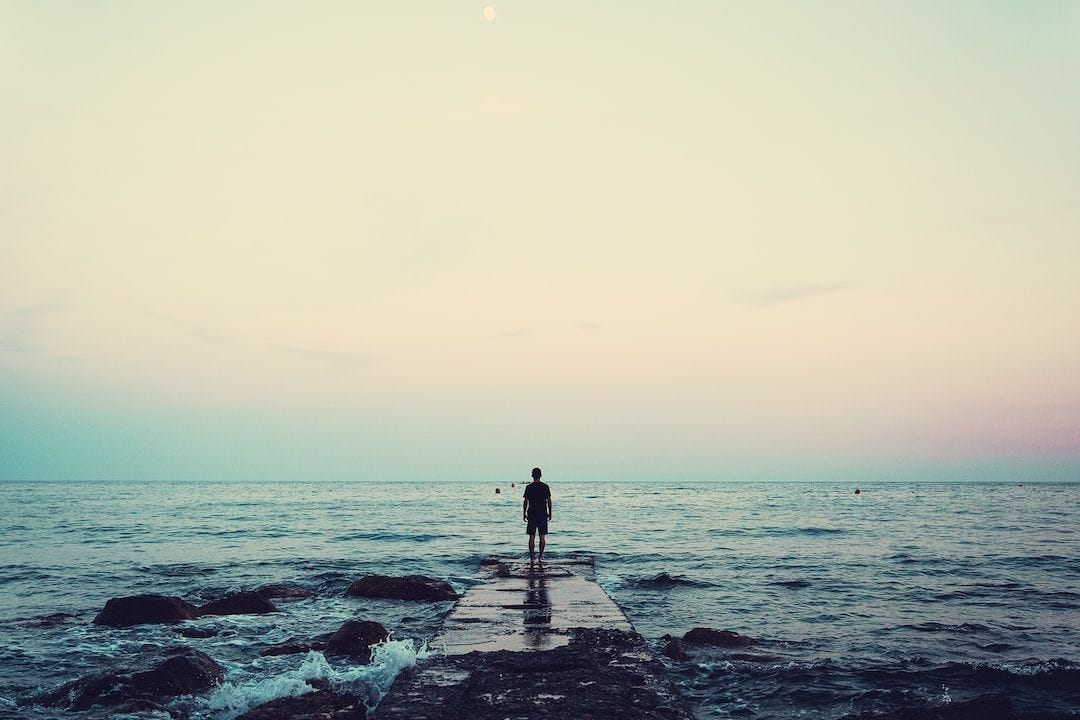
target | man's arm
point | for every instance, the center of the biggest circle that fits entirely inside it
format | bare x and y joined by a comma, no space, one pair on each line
525,509
549,506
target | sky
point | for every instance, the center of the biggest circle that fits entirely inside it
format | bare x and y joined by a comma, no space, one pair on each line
622,241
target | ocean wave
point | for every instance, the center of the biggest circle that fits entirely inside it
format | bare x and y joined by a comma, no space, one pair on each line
933,627
389,537
237,696
777,531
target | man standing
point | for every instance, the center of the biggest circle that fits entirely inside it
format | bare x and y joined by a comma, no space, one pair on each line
536,511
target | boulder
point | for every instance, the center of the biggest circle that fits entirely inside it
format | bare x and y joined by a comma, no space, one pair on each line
291,648
281,590
143,609
55,619
183,672
139,707
355,638
675,651
193,632
411,587
721,638
317,705
241,603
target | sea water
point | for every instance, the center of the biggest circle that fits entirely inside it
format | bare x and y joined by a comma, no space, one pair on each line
905,594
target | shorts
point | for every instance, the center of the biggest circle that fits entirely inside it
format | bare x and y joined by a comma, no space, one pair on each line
536,524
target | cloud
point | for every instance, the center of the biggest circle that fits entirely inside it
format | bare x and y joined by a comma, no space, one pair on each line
589,327
287,347
783,294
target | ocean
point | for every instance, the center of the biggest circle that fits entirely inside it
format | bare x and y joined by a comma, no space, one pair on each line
905,594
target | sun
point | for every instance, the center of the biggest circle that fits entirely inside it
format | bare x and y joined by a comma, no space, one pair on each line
489,13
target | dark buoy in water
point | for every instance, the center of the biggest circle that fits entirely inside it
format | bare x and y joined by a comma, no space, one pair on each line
497,491
857,491
513,485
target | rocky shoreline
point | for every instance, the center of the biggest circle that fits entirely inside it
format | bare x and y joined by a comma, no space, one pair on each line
597,673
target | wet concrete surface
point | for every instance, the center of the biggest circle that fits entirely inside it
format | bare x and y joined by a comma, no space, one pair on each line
523,607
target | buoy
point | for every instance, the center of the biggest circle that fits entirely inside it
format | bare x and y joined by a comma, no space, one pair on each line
513,485
497,491
857,491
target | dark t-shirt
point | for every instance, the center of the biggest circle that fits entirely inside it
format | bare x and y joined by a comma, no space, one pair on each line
537,494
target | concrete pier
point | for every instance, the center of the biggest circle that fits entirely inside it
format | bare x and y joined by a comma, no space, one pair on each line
535,641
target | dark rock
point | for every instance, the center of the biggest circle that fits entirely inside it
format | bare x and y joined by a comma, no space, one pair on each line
675,651
286,649
241,603
143,609
355,638
983,707
55,619
193,632
317,705
184,672
721,638
137,706
412,587
600,674
664,581
281,590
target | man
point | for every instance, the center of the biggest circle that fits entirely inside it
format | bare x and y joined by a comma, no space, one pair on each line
536,511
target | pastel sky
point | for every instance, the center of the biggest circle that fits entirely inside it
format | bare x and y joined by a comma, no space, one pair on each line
619,240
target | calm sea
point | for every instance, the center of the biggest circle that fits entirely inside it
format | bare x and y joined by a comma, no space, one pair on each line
906,594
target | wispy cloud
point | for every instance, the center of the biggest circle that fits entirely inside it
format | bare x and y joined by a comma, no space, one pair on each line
782,294
287,347
589,327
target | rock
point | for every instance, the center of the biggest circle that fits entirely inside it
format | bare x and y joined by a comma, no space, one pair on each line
281,590
722,638
675,651
143,609
192,632
412,587
355,638
136,707
55,619
184,672
317,705
983,707
241,603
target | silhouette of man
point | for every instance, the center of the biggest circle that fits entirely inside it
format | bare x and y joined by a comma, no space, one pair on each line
536,511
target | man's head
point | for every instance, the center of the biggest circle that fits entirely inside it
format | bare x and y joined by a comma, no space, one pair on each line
536,473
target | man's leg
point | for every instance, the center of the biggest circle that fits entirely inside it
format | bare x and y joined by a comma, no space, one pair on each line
542,543
532,537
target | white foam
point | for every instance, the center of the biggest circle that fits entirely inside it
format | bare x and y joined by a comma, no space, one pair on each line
235,697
